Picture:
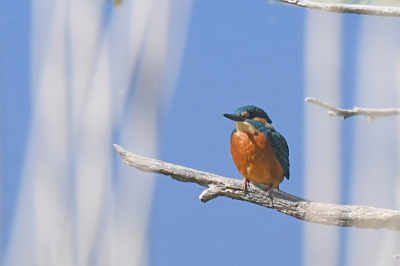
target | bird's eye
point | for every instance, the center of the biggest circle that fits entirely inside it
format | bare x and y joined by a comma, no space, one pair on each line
248,115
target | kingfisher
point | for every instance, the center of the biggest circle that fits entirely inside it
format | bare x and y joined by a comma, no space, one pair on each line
260,153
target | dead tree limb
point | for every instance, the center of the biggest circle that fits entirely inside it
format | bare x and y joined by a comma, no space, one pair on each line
315,212
383,11
370,113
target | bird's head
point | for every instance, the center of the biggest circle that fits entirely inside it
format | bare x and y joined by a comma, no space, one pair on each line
248,117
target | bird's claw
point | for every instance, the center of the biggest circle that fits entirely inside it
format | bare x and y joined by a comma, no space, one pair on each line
246,182
269,191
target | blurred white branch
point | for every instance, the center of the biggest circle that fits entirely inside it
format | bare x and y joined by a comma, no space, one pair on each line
371,114
321,213
384,11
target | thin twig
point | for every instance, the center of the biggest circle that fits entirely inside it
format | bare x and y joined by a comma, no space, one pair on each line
384,11
322,213
371,114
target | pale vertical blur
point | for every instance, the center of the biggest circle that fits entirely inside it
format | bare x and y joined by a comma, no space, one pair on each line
323,134
95,79
142,116
375,155
42,229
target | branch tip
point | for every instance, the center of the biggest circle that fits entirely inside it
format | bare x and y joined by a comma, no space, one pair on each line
211,193
331,113
371,114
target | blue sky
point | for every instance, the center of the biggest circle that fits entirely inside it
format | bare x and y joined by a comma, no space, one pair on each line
14,102
237,53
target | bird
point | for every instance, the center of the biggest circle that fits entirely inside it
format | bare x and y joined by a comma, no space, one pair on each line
260,153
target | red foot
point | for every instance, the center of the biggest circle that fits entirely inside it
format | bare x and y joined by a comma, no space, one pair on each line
246,182
269,191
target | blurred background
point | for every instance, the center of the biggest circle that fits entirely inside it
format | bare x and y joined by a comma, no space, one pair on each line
155,77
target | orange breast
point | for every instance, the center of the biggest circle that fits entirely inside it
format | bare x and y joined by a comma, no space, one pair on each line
255,158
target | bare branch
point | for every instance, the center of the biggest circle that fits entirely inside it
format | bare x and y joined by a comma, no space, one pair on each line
321,213
383,11
371,114
211,193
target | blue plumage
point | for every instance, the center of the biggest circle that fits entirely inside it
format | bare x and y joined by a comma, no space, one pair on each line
281,150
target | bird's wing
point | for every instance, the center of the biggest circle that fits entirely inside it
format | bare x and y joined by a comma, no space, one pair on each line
278,143
281,150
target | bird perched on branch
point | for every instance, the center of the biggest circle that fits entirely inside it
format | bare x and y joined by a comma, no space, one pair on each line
260,153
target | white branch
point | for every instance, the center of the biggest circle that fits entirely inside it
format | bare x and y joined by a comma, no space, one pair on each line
371,114
383,11
322,213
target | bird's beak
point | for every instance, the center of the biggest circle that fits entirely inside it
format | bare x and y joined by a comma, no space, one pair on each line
235,117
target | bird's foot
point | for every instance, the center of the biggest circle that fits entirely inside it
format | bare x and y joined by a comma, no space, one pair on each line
269,191
246,182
